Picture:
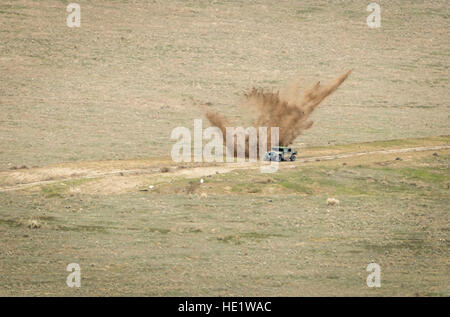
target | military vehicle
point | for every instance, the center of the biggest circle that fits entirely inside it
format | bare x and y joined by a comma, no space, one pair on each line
280,154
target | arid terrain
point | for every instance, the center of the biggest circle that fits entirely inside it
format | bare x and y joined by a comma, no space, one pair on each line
86,175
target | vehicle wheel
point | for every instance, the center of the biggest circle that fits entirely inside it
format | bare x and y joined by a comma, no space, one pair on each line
292,158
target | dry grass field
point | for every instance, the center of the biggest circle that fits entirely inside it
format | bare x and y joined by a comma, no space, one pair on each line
85,122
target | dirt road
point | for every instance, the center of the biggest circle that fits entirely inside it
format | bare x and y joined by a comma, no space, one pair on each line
190,172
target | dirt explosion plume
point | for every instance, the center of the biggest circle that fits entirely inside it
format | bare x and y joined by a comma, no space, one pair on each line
289,110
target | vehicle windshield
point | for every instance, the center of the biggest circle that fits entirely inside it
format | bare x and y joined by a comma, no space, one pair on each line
281,149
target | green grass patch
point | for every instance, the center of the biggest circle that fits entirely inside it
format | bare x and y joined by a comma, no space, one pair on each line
308,10
84,228
10,222
51,191
246,188
423,174
241,237
57,190
158,230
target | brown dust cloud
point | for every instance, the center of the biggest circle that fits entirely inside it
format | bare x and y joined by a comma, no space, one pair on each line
289,110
